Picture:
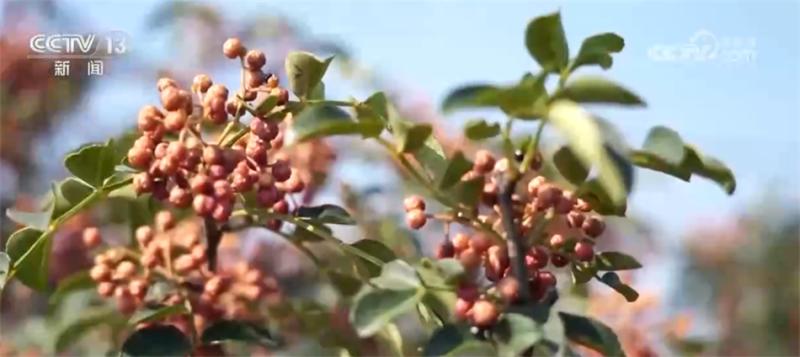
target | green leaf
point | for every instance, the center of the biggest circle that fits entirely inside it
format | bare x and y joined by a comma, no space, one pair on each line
318,93
5,268
444,340
93,163
597,50
515,333
612,279
305,72
397,275
67,194
72,333
160,340
431,156
593,192
411,137
591,333
72,283
243,331
375,249
156,314
547,43
472,96
586,140
479,129
582,274
36,220
595,89
326,120
29,250
666,144
374,309
710,168
654,162
456,168
570,166
346,284
326,213
473,348
613,261
449,269
467,192
527,99
666,152
267,105
373,110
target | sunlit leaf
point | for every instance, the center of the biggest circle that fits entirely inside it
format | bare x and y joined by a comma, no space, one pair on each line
305,71
595,89
547,43
597,50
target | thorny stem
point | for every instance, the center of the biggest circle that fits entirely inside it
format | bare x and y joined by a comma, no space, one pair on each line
516,248
213,237
516,251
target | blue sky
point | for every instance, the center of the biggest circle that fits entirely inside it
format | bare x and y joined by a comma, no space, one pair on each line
746,113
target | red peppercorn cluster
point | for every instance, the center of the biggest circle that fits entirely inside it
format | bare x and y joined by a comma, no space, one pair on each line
180,167
174,253
570,230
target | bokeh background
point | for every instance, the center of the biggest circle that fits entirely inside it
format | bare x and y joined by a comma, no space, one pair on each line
721,273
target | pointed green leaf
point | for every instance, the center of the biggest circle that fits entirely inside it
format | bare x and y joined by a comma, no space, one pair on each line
37,220
527,99
411,137
373,109
326,120
612,279
597,50
159,340
397,275
326,213
595,89
66,194
72,333
467,192
29,251
92,163
156,314
456,168
472,96
374,309
586,141
242,331
570,166
479,129
547,43
666,144
515,333
305,72
616,261
591,333
445,339
710,168
582,274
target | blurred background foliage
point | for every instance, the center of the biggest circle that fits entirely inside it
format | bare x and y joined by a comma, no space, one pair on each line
732,288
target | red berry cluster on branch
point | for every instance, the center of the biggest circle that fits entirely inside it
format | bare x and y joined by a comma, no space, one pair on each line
182,168
175,254
557,228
